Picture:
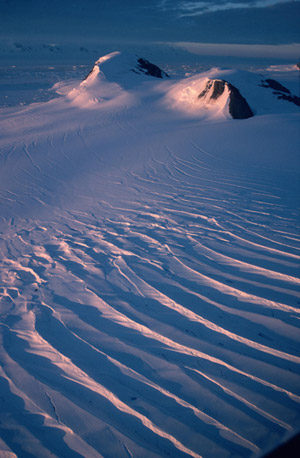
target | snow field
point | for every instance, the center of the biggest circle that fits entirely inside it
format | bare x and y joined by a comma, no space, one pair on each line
150,292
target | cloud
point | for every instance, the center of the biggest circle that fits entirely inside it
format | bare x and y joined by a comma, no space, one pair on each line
224,21
198,8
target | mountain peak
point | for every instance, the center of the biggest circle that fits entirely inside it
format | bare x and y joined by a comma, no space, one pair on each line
120,67
238,106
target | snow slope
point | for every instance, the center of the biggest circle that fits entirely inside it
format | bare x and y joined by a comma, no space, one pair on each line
149,279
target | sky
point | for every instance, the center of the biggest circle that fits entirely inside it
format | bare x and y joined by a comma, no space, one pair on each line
247,22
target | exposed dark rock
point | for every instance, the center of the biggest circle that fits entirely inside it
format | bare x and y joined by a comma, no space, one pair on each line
273,84
217,86
238,105
282,92
290,98
89,73
287,449
135,64
218,89
206,89
150,69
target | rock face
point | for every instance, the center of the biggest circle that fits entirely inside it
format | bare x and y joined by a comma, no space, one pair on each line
282,92
273,84
238,106
144,66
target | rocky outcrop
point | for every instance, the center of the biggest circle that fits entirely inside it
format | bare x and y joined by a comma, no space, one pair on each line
144,66
238,106
280,91
273,84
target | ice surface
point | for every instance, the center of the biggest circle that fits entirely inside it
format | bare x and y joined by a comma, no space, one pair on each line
150,263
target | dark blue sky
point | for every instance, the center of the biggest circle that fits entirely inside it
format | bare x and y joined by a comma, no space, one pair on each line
217,21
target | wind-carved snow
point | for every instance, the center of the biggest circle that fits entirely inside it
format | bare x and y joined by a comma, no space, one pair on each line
149,280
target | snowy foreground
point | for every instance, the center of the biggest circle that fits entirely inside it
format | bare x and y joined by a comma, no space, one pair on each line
149,291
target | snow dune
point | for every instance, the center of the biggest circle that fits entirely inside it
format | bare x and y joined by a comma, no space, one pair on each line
150,270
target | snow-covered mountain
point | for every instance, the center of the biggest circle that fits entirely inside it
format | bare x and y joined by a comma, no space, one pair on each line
223,93
232,93
150,260
237,105
112,76
117,65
